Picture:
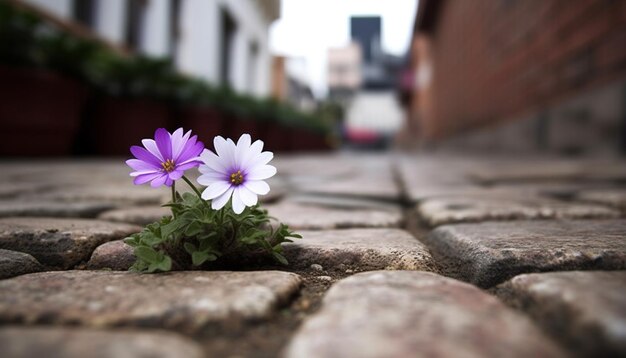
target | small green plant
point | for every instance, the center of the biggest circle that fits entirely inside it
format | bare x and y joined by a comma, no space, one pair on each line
197,234
223,220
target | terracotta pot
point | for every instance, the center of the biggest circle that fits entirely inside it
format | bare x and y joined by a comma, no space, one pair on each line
119,123
206,122
39,112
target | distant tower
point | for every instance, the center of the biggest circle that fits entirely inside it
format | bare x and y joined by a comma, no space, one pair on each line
366,31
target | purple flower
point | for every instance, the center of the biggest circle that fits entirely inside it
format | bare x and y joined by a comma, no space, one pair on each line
164,158
238,170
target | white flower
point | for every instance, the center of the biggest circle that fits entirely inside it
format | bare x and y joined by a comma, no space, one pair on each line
237,170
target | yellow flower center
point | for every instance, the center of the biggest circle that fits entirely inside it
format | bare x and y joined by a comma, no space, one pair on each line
168,165
236,178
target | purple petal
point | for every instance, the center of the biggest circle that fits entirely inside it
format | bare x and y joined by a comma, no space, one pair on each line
176,174
164,143
151,146
169,182
179,141
142,179
189,165
159,181
140,165
143,155
192,148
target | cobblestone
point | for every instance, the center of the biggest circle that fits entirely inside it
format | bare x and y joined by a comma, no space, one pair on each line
311,217
410,314
449,210
359,249
585,310
180,300
59,243
52,208
488,253
112,255
19,342
13,263
141,215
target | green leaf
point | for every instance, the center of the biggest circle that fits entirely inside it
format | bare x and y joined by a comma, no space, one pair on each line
200,257
146,253
280,258
190,248
165,264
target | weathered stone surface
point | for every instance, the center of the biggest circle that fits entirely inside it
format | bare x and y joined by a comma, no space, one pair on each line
109,193
366,186
12,189
142,215
359,249
488,253
177,300
13,263
114,255
311,217
449,210
415,314
52,208
612,197
59,243
57,342
585,310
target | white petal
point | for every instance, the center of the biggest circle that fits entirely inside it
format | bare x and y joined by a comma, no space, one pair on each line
216,189
210,178
261,172
261,159
253,152
238,204
220,201
225,150
257,186
249,198
212,163
151,146
242,150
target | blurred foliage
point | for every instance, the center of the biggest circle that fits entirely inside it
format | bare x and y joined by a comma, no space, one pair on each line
26,41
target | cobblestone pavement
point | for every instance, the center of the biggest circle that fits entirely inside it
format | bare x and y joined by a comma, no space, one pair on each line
402,256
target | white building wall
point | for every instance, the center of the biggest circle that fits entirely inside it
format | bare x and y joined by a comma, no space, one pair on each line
62,8
111,20
155,37
198,48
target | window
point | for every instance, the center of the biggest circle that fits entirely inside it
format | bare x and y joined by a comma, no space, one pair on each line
83,11
227,41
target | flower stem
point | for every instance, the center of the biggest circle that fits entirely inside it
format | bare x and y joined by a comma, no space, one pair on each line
173,192
193,187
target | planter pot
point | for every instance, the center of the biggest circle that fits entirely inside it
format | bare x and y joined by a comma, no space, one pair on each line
206,122
119,123
39,112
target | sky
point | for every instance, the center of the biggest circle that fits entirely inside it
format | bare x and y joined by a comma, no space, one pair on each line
307,28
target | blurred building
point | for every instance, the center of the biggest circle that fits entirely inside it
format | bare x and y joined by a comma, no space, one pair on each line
520,76
224,42
344,71
290,82
379,69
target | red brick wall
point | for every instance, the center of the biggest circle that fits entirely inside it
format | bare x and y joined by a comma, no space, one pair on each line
495,59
